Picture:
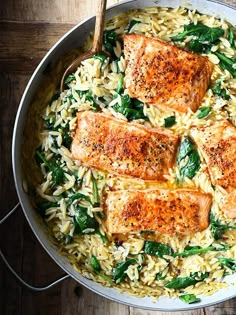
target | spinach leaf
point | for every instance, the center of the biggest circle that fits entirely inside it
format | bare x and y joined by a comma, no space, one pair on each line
95,191
131,24
217,90
159,276
227,63
169,121
83,222
66,137
156,249
204,37
81,93
184,282
119,273
68,239
231,38
78,180
186,147
89,98
103,237
189,298
101,215
67,140
198,47
49,123
69,79
58,175
228,262
77,196
95,264
203,112
120,88
192,165
109,41
43,206
100,57
190,29
217,228
196,250
131,108
97,268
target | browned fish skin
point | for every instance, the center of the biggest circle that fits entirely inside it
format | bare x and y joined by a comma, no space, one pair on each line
217,144
166,211
161,74
125,148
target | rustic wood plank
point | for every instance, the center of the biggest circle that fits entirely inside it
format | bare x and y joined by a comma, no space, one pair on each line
77,299
55,11
137,311
12,231
226,308
23,45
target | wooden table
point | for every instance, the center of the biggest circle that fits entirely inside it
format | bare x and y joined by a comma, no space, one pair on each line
27,30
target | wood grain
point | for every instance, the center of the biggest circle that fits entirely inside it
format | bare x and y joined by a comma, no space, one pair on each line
28,28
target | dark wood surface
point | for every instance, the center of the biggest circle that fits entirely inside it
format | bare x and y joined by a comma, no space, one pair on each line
27,30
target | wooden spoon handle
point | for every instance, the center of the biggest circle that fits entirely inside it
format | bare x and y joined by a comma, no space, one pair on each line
99,24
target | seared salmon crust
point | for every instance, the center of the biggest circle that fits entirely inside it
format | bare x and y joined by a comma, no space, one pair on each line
162,210
124,148
162,74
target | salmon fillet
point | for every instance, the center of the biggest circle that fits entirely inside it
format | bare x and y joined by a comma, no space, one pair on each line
161,210
162,74
125,148
217,144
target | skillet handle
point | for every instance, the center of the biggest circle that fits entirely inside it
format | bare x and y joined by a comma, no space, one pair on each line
20,280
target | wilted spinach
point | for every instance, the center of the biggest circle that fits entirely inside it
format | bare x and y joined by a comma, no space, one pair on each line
77,196
100,57
160,276
68,239
58,175
119,272
120,88
217,228
156,249
103,237
184,282
204,36
109,41
196,250
44,205
95,191
131,108
227,63
131,24
83,222
69,79
219,91
97,268
189,298
228,262
203,112
192,165
169,121
231,38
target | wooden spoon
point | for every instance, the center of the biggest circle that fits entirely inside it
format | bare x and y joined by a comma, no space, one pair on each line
97,42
